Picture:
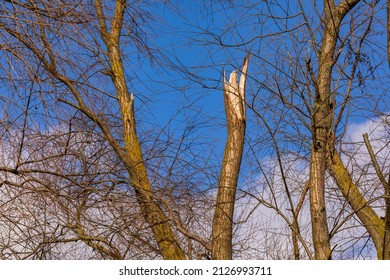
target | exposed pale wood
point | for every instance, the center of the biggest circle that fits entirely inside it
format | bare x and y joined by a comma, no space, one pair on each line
222,229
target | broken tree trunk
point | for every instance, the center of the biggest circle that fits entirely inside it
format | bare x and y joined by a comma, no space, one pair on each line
222,229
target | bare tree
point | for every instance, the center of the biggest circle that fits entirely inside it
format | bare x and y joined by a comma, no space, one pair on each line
42,43
96,180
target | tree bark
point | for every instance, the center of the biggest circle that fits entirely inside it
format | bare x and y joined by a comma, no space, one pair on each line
370,220
222,229
321,125
154,216
322,121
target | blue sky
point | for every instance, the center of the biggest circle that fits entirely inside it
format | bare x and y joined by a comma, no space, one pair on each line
179,85
184,81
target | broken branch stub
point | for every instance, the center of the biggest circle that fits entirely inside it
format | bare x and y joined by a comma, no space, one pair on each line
235,92
222,229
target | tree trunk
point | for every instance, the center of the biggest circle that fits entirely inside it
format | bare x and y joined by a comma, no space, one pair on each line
154,216
320,231
322,121
369,219
321,125
222,229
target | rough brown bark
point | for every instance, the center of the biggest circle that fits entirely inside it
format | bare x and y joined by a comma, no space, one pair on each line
321,125
322,121
320,231
222,229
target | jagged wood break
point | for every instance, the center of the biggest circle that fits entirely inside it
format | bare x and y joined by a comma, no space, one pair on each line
222,230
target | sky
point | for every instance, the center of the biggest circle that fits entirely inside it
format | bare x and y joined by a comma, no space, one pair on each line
190,40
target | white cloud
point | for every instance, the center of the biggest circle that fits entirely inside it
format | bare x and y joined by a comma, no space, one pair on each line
377,129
